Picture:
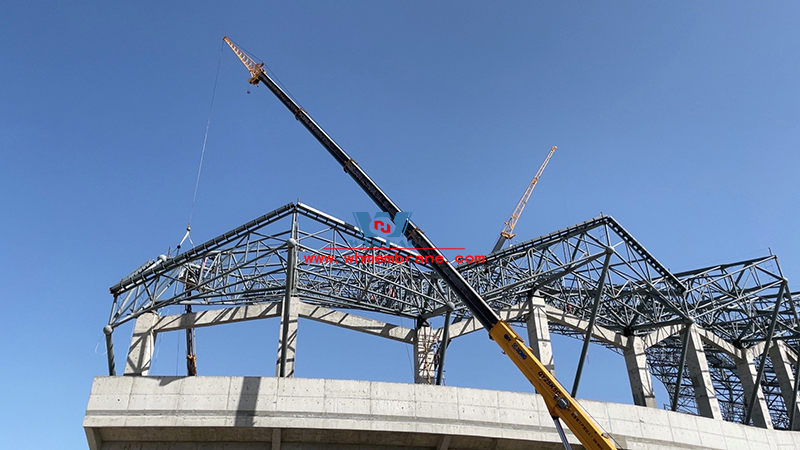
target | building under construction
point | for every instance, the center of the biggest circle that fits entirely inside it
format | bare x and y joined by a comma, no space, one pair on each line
724,340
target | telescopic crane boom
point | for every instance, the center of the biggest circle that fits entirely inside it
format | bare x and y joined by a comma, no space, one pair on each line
508,230
559,403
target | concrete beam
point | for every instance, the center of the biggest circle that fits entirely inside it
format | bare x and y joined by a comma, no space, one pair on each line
784,371
140,354
718,343
539,333
639,374
552,315
598,332
356,323
471,325
215,317
747,374
704,394
661,334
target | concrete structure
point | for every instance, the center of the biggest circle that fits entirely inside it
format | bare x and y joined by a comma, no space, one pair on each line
707,403
538,316
193,413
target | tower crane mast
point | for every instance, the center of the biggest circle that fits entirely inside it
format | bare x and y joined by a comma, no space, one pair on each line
560,405
508,230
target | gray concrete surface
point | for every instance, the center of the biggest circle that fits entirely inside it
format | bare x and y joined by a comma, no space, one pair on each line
183,413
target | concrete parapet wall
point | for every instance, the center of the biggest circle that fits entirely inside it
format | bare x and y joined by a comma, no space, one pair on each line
170,413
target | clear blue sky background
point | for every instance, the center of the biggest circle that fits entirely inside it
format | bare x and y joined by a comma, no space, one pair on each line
681,120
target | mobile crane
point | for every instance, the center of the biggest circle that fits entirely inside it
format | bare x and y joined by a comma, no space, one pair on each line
560,405
508,230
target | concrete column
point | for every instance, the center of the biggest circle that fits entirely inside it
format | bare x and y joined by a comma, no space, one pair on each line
288,335
639,374
276,439
784,371
140,354
539,333
706,398
747,374
424,355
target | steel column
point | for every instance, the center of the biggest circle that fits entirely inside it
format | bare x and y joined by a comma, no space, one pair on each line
287,315
112,370
681,365
762,364
592,319
191,354
443,345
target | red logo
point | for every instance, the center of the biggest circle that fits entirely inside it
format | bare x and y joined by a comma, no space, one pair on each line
382,226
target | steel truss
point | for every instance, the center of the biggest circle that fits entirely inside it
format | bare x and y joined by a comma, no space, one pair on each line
737,302
248,265
594,272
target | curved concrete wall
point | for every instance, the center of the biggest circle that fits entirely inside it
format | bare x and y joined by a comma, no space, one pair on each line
171,413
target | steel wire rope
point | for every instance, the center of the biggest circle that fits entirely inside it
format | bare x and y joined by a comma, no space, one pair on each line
202,155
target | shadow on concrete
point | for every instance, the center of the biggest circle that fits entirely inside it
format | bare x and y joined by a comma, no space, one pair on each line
246,407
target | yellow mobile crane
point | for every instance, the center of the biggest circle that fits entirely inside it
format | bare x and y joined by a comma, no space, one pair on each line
560,404
508,230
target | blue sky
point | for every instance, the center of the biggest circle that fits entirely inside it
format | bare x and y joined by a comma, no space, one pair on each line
679,119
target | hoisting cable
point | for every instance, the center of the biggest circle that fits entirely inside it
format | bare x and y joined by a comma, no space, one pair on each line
202,156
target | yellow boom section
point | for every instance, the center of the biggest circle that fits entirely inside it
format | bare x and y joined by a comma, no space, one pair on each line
254,68
559,403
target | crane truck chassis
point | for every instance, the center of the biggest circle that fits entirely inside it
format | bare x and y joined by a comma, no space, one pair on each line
560,405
